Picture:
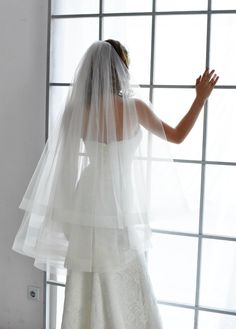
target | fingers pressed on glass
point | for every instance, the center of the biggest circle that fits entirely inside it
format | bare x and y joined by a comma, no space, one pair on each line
214,79
211,73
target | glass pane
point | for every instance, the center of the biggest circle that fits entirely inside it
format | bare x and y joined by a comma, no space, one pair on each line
218,284
172,266
143,94
215,320
55,304
125,29
171,105
57,99
64,7
189,185
221,132
223,47
180,43
176,317
220,205
173,5
69,41
226,4
123,6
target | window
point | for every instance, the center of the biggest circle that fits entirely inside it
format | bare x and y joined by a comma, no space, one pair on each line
192,264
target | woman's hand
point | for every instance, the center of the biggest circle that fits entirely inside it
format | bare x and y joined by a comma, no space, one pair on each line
205,84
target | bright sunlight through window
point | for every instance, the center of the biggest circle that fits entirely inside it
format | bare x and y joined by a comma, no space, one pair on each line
193,261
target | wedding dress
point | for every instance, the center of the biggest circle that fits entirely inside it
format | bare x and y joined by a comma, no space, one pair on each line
119,299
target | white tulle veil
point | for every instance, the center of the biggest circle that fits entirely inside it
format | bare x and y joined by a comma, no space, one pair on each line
87,206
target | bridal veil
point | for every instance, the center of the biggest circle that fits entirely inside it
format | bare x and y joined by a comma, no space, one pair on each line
88,205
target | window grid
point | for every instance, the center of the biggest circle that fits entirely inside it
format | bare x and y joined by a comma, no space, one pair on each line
66,84
203,162
150,13
46,283
202,186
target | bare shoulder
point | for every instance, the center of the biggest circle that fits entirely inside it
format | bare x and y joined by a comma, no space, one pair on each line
143,110
141,105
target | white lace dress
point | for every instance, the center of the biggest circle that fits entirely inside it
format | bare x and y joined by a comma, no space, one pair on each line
119,299
122,299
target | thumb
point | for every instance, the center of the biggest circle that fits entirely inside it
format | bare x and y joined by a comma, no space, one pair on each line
198,79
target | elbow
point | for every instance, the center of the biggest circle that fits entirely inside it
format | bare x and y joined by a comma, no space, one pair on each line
177,137
180,135
175,140
179,140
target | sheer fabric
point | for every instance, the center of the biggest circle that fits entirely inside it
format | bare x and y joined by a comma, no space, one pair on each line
87,206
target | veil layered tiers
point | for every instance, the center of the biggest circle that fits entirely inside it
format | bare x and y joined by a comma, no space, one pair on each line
89,204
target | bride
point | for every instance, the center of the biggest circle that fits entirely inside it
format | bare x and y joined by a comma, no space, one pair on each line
87,207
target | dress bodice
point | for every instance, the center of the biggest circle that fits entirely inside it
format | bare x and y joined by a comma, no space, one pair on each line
107,182
101,152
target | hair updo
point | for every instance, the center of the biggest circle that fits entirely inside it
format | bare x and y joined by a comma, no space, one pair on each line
121,50
115,81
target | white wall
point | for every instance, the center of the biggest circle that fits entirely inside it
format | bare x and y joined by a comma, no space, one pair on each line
23,41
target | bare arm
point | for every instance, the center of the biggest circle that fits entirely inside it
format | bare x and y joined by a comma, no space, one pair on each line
148,119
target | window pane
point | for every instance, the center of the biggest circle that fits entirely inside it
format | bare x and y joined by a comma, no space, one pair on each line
57,99
63,7
70,39
180,43
218,284
220,205
226,4
143,94
123,6
171,105
223,47
125,29
215,320
186,219
221,132
176,317
140,92
55,304
172,266
173,5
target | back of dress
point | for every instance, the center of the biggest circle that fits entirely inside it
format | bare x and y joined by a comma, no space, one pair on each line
97,190
111,223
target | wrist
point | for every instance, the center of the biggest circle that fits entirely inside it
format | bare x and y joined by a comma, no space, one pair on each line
200,100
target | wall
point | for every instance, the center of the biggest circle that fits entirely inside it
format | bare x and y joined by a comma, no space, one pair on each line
23,41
